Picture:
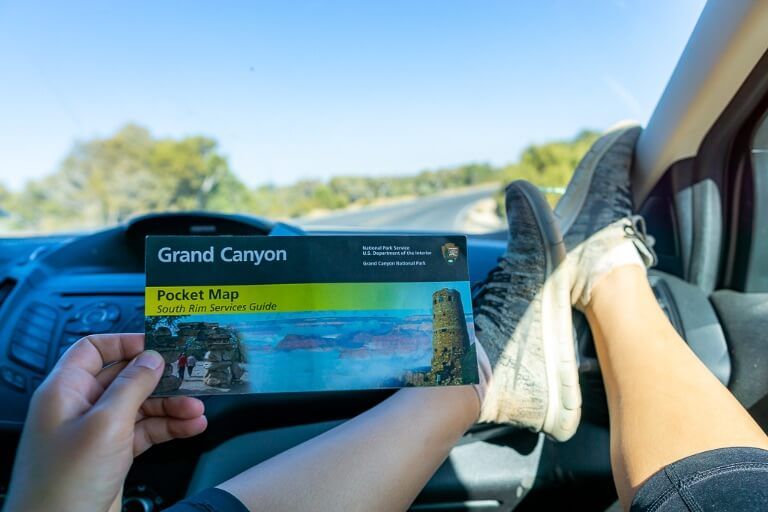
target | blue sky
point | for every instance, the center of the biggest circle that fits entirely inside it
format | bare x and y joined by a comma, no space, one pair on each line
314,89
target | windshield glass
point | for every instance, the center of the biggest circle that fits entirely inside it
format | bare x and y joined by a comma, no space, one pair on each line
404,115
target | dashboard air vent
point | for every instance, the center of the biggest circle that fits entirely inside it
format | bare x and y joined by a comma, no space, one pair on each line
32,336
6,287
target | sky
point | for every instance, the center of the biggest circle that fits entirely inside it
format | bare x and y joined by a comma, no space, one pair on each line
294,89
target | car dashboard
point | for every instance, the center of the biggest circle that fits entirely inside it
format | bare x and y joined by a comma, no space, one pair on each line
55,290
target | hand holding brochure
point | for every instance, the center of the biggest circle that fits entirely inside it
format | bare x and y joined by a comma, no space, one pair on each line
309,313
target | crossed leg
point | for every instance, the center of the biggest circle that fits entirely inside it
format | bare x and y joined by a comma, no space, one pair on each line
664,404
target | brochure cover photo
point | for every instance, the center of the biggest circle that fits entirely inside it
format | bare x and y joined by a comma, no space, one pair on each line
315,313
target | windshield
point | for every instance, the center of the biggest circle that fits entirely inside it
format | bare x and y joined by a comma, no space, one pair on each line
394,115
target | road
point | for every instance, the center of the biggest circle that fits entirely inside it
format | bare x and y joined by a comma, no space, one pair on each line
444,212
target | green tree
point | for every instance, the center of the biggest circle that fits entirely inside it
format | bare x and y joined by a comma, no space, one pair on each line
104,181
548,165
5,200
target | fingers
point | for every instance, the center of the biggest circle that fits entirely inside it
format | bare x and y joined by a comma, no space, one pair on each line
180,407
71,389
152,431
131,387
108,373
94,352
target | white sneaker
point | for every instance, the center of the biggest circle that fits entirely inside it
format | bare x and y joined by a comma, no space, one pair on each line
523,321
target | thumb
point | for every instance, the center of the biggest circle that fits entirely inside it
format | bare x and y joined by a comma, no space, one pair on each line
133,385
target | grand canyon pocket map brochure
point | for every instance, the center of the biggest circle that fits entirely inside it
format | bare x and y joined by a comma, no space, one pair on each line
242,314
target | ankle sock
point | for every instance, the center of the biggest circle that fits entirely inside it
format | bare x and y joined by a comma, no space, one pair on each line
617,256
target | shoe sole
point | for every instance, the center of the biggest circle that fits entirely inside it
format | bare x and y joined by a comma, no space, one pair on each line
572,202
560,359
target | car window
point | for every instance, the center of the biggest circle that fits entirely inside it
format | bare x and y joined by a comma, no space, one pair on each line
395,115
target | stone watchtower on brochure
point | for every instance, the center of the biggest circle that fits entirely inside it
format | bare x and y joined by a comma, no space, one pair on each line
450,339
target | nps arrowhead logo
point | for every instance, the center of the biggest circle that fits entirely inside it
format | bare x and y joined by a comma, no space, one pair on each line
450,252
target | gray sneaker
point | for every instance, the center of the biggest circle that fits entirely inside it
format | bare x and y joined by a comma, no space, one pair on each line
595,215
523,321
598,194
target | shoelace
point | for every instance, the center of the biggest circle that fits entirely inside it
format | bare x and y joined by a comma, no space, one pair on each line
637,232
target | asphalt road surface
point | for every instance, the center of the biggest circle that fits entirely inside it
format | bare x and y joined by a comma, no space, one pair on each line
440,213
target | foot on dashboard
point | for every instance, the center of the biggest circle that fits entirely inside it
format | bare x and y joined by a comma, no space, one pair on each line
598,193
596,215
523,323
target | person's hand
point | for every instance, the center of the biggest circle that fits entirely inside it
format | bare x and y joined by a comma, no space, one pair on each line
87,422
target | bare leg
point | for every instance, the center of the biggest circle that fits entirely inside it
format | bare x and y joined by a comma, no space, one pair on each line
664,403
377,461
